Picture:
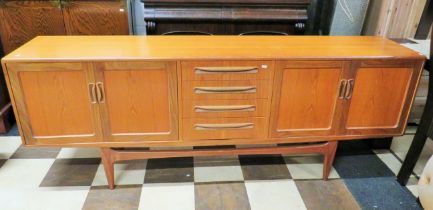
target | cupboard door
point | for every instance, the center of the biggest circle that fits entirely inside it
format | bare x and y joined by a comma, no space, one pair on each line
381,96
55,102
305,99
140,100
21,21
96,17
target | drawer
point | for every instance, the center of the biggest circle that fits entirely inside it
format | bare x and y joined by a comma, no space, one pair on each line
225,108
224,128
227,70
246,89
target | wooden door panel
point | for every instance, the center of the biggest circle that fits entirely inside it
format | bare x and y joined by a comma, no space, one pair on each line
55,102
96,18
378,97
140,100
50,116
21,21
305,99
382,95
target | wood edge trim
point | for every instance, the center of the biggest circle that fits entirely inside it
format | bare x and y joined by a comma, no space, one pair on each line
122,155
13,103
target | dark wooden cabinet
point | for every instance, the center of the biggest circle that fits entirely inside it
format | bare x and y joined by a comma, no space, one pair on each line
23,20
225,17
95,17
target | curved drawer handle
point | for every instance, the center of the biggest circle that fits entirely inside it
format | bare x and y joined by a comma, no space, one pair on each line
247,89
224,126
228,108
213,70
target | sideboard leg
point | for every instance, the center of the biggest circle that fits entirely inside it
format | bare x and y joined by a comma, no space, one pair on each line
108,163
328,159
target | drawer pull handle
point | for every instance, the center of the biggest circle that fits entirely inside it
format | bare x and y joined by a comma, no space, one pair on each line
92,93
213,70
349,89
244,108
343,84
248,89
101,92
224,126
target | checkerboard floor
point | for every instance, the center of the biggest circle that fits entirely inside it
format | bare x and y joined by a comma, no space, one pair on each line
70,178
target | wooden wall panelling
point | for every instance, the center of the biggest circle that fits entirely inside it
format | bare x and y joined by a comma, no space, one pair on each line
393,18
414,18
424,29
96,17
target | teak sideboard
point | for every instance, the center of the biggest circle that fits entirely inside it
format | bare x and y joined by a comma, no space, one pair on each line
120,93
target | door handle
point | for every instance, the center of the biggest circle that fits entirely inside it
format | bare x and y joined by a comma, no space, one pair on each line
224,126
228,108
100,94
92,93
349,89
210,70
248,89
343,84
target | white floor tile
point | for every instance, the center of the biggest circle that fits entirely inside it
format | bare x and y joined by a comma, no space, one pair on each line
121,176
8,146
275,195
413,189
310,171
44,198
179,196
24,173
79,153
223,168
217,173
400,145
391,161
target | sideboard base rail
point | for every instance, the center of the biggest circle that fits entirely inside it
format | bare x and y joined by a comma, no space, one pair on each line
111,155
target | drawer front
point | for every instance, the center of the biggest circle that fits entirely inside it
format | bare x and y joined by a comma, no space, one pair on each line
227,70
224,128
225,108
247,89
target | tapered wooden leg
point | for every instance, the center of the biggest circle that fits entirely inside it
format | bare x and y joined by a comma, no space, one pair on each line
108,163
329,158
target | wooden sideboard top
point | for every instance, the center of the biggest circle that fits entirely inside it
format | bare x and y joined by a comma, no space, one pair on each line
79,48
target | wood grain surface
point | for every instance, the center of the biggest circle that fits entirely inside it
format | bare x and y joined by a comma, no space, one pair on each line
54,103
93,48
96,18
21,21
140,100
378,97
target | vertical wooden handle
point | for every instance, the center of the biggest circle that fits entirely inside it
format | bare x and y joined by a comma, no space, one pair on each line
349,89
343,84
92,93
101,92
